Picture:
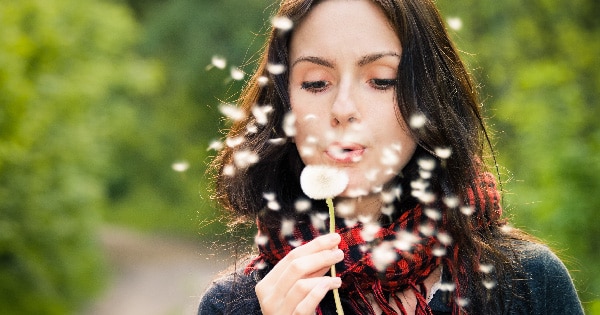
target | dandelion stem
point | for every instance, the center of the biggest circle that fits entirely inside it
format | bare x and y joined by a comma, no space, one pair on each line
336,293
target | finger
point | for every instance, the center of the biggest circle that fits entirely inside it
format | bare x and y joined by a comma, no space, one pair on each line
324,242
303,287
308,266
313,298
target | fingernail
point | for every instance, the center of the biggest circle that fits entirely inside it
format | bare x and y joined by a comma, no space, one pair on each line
333,237
336,282
337,254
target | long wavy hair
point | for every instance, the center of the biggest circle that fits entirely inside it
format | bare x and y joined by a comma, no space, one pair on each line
432,82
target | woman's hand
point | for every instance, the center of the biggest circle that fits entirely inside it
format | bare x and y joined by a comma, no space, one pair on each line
297,284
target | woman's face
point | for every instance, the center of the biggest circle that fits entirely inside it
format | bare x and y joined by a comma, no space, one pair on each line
344,58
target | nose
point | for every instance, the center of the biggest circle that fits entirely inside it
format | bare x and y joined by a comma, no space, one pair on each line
344,109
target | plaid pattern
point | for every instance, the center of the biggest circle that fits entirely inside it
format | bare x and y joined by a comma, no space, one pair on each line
358,270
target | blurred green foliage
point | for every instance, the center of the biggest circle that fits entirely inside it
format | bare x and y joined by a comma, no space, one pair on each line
99,98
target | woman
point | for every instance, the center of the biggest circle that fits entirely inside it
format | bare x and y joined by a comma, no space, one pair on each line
376,89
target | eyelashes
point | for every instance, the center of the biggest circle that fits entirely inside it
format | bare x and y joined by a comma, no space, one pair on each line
322,85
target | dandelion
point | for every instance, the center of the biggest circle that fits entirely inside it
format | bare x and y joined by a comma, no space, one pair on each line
275,69
232,112
180,166
282,23
236,73
323,182
455,23
417,121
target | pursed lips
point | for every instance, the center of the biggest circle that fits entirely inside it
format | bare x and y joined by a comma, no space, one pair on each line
345,152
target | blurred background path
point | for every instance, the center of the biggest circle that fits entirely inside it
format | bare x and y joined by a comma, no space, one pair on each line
154,275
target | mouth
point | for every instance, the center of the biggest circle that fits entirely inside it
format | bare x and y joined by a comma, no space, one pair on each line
345,152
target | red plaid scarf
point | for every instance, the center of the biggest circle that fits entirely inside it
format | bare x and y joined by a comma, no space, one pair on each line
358,271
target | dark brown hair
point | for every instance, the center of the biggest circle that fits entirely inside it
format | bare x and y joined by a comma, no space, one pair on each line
432,82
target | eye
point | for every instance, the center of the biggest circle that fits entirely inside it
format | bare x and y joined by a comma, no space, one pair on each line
383,84
315,86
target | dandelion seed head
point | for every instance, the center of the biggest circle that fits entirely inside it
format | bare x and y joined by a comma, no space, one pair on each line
287,227
417,121
232,112
282,23
443,152
215,145
237,74
467,210
180,166
233,142
383,255
289,124
321,182
219,62
275,69
302,205
455,23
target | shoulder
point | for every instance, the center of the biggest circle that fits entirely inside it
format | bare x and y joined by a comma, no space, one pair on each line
232,293
551,288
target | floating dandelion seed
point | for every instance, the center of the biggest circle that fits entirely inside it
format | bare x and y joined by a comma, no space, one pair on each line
388,196
251,128
295,243
462,302
438,251
262,80
447,286
425,174
289,124
229,170
237,74
215,145
417,121
277,141
443,153
234,142
388,210
261,265
310,117
269,196
444,238
273,205
261,240
451,202
426,164
345,209
275,69
307,151
383,255
489,284
180,166
455,23
350,222
405,240
218,62
357,192
302,205
486,268
232,112
317,222
467,210
364,218
261,113
369,231
506,229
426,229
433,214
389,157
244,158
371,175
282,23
287,227
322,182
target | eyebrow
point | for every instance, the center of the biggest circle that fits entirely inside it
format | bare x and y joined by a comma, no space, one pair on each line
365,60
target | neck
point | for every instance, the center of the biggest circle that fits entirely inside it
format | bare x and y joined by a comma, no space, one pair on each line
355,208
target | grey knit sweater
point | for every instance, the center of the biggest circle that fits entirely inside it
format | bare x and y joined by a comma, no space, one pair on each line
548,290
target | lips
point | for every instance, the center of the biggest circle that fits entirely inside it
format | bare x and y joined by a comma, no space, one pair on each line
345,152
